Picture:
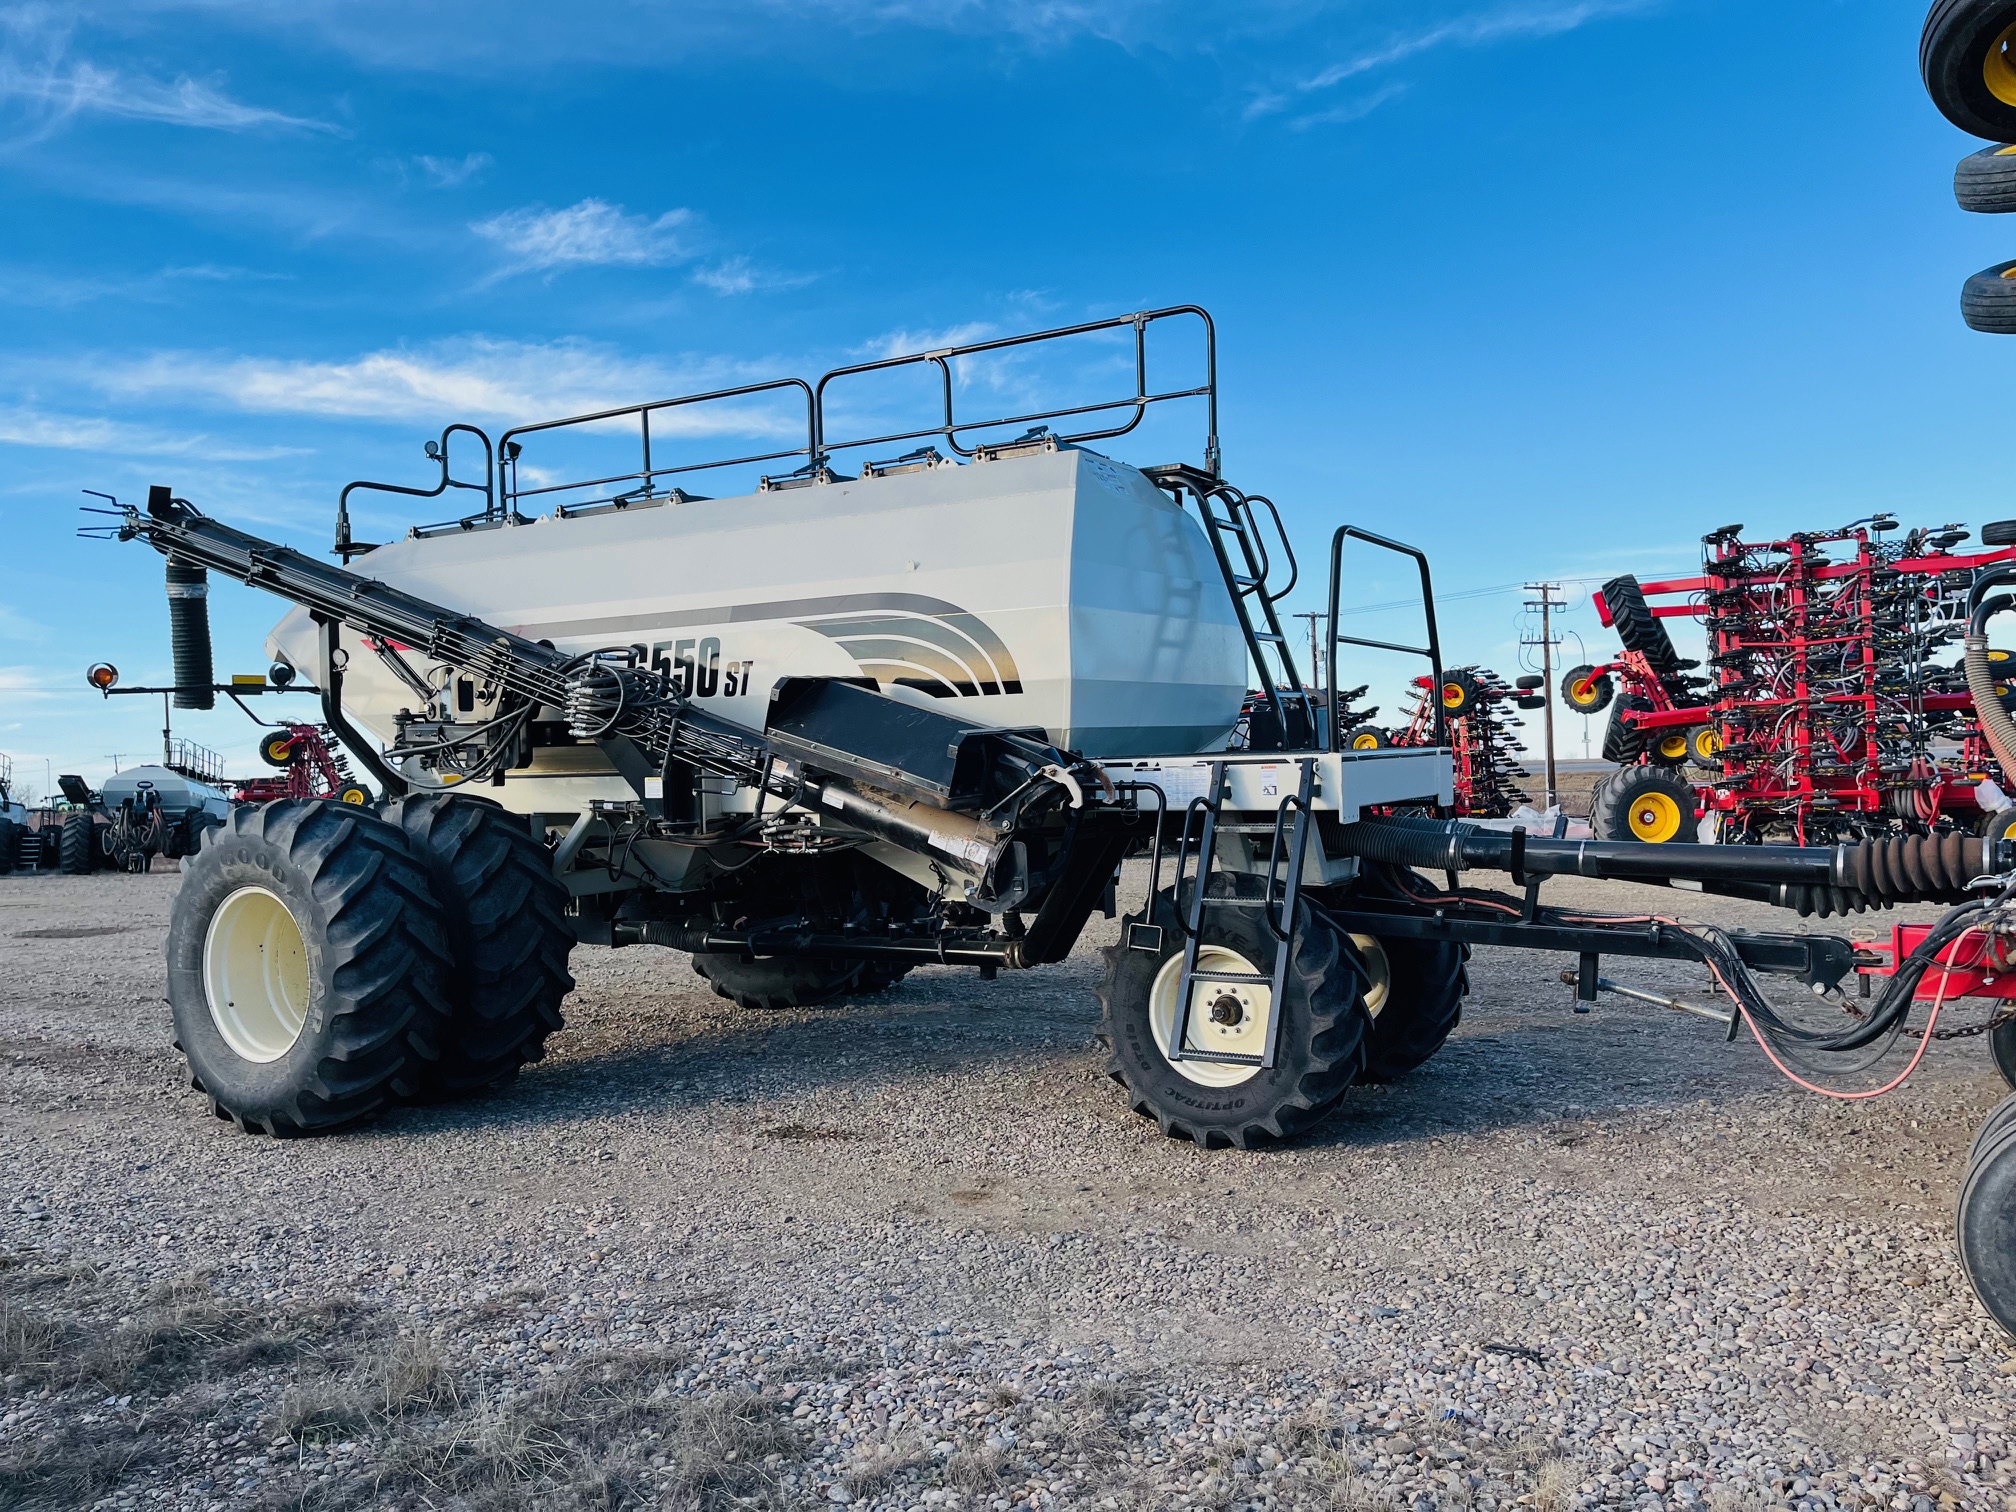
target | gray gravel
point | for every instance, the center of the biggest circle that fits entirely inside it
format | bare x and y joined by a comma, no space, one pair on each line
915,1252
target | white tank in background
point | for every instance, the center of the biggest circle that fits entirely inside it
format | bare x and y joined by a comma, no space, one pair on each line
177,794
1059,589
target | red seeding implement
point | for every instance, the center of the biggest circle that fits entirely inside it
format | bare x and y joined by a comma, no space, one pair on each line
1825,712
1475,704
310,767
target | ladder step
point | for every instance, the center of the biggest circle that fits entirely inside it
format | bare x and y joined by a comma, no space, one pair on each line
1248,978
1221,1058
1224,523
1270,637
1245,584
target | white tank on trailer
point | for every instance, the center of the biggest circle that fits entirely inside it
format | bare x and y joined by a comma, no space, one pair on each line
178,794
1056,589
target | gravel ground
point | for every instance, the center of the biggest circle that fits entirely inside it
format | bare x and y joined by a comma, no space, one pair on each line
915,1252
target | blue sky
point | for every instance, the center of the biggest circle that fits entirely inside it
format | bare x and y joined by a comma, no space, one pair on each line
1548,286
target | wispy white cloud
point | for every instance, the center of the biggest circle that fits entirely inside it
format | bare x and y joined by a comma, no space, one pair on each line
473,378
1528,18
27,684
906,342
92,433
738,275
48,88
452,173
1350,110
593,233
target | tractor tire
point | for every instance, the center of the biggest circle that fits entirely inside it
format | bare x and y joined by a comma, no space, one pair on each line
11,835
1963,58
1585,692
1645,804
1623,741
1988,300
1985,181
770,983
1415,1001
506,917
1321,1046
309,968
79,853
1367,738
1639,628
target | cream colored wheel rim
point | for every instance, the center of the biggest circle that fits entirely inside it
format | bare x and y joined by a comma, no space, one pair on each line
1378,973
1243,1009
255,974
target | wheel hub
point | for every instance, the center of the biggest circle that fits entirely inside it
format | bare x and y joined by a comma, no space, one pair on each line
1220,1018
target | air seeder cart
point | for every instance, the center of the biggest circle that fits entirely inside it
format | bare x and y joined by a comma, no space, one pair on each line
888,712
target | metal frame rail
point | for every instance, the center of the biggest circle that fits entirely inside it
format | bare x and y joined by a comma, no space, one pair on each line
1432,651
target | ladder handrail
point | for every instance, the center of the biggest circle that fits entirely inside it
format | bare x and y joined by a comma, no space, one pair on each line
1433,650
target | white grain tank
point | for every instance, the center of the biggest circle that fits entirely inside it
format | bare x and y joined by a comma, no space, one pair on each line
178,794
1057,589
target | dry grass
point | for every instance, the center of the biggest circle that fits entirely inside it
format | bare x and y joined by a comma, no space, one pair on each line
1554,1486
975,1470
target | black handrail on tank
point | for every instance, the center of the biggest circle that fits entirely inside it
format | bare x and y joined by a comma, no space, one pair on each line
951,425
1433,650
503,493
509,444
346,548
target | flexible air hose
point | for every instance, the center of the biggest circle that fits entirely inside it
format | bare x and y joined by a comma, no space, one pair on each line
189,634
1996,726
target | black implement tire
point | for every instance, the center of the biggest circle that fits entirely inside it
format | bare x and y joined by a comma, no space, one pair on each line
277,749
1321,1045
1645,804
1704,747
1999,1118
1967,72
1988,300
1985,181
11,835
1585,692
1415,1001
1623,741
769,983
1459,691
78,849
1986,1226
2002,1047
1668,747
507,926
1367,737
318,931
1639,628
880,976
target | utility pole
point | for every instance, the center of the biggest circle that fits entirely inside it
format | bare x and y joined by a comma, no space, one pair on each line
1547,603
1316,678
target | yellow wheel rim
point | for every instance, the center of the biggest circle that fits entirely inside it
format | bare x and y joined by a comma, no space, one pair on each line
355,796
1582,694
1452,695
1655,818
1673,747
1707,744
1364,742
1378,973
277,748
1996,71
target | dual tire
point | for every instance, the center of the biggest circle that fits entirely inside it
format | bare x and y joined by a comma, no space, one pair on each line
325,962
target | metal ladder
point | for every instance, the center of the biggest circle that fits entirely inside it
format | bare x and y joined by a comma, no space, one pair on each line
1278,897
1226,512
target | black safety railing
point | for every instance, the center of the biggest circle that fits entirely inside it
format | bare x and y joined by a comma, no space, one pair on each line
506,492
1432,651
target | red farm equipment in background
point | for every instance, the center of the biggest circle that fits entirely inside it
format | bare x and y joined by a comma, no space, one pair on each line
1823,714
1476,705
310,767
